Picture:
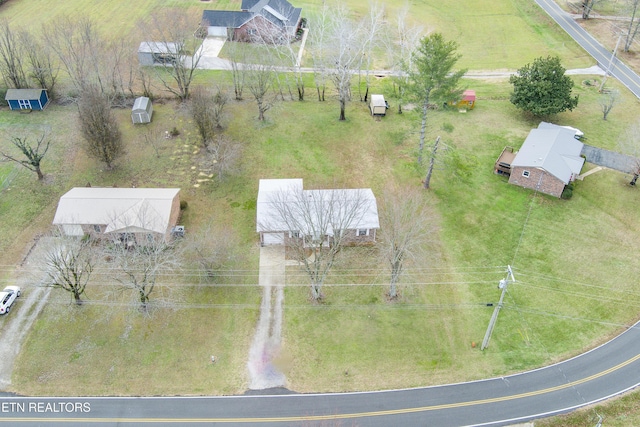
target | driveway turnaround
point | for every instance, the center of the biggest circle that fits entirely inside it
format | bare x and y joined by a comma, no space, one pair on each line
603,56
603,372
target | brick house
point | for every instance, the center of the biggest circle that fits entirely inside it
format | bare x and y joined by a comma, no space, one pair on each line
548,160
273,20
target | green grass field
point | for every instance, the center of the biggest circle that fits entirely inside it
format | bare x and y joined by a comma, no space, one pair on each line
564,253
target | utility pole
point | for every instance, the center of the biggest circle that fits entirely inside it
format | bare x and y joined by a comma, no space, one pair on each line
608,70
502,285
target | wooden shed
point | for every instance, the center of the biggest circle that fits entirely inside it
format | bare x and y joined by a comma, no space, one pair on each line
27,99
467,102
378,105
142,110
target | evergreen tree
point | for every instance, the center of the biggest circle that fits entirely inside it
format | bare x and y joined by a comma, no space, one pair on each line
542,89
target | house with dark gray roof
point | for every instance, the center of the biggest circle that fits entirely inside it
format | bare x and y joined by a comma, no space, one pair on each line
548,160
275,20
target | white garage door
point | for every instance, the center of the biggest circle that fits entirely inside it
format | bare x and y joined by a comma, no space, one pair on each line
72,230
217,31
272,239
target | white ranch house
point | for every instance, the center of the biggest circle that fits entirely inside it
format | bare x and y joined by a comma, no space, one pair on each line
129,214
275,230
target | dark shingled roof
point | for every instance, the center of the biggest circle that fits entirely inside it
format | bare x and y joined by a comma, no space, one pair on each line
226,18
279,12
248,4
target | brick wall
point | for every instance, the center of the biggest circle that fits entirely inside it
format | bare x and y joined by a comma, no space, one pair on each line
548,185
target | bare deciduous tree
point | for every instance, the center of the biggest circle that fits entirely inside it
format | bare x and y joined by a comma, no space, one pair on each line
99,127
80,50
344,54
41,65
371,30
318,46
142,257
587,7
223,156
607,100
145,79
207,111
238,57
259,79
634,23
33,154
11,57
213,249
282,45
70,262
173,29
319,222
142,264
121,75
153,137
400,44
405,224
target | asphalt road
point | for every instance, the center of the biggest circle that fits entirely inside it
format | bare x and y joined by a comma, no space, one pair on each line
591,377
603,56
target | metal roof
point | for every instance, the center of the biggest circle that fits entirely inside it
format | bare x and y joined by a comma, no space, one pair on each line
554,150
159,47
272,191
141,103
378,101
117,208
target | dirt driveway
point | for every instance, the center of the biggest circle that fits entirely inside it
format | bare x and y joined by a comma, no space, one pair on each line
16,325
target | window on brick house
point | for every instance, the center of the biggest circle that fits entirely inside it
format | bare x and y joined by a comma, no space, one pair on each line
525,174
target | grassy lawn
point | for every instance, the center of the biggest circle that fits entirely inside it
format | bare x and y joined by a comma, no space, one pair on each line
113,18
568,256
492,34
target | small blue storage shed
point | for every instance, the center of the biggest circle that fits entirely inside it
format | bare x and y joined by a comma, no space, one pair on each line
27,99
